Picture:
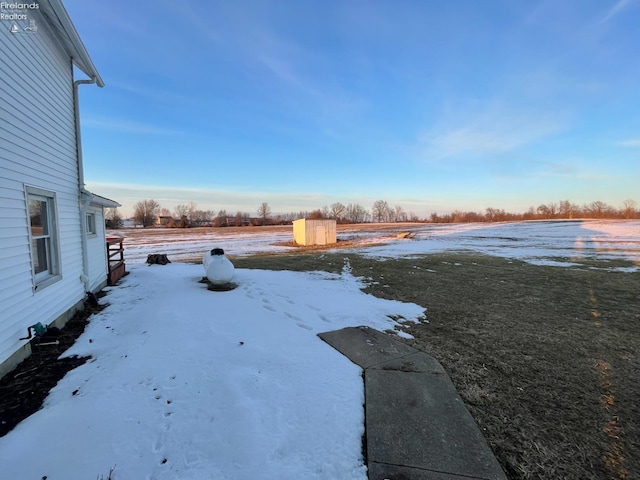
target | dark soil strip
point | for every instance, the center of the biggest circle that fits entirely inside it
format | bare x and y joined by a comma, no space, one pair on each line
23,390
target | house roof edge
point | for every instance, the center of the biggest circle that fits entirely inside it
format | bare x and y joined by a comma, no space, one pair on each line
60,21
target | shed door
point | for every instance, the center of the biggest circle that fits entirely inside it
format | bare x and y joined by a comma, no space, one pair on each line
321,235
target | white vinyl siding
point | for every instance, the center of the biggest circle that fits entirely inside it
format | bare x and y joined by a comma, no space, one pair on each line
37,150
97,250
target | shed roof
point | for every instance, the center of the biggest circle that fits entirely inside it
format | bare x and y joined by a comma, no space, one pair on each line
315,220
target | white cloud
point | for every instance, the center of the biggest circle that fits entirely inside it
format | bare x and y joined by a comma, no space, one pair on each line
615,10
128,126
495,129
633,142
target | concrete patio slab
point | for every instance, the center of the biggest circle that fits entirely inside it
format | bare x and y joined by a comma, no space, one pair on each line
366,346
417,427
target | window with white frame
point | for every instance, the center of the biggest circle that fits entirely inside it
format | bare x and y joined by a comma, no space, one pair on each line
91,224
44,238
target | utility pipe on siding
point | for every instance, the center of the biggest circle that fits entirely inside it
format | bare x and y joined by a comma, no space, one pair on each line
76,115
85,196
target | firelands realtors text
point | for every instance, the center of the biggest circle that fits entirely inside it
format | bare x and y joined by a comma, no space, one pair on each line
16,6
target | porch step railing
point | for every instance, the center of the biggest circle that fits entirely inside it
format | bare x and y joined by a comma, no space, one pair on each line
115,259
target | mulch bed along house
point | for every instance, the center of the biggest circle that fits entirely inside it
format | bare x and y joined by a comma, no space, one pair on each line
23,390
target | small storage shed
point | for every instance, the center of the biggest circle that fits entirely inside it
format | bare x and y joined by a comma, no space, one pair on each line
314,232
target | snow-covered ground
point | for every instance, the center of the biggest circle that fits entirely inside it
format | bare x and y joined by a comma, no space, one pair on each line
188,246
561,243
185,383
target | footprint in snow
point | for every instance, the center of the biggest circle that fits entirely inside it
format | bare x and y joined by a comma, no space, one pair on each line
292,316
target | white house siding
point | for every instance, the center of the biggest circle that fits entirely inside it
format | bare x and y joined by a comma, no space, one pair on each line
97,251
37,149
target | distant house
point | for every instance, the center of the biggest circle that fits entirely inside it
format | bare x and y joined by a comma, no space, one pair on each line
165,220
51,228
314,232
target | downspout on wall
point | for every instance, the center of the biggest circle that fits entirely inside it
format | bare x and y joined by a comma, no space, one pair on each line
85,196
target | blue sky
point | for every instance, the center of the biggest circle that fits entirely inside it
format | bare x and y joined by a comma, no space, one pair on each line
430,105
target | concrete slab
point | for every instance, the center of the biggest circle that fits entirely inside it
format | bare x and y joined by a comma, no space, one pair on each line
417,426
382,471
418,362
418,420
365,346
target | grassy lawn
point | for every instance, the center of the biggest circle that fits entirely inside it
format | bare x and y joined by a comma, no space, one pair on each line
547,359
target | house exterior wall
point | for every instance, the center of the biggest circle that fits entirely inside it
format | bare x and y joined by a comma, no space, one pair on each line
314,232
97,251
38,150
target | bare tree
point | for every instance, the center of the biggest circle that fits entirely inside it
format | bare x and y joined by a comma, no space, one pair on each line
629,208
201,217
492,214
566,209
222,220
193,213
145,212
356,213
543,211
264,211
181,210
337,210
457,216
113,218
598,209
291,216
399,214
316,215
529,214
380,210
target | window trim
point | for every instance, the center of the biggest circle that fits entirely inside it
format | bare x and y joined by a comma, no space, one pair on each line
53,272
90,224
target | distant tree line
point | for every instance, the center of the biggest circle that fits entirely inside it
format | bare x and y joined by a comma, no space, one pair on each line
560,210
149,213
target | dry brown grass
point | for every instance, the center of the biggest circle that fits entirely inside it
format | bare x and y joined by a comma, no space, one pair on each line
547,359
